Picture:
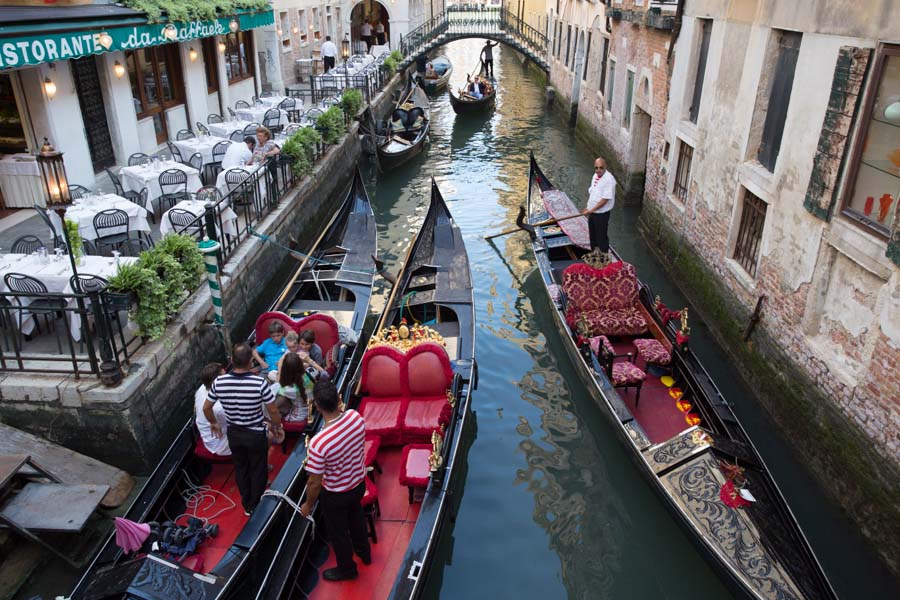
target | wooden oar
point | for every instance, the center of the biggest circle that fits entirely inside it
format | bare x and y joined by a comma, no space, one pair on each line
521,225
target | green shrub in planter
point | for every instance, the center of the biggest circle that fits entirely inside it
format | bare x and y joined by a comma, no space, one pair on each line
390,66
351,102
331,124
301,148
183,248
171,275
152,305
396,56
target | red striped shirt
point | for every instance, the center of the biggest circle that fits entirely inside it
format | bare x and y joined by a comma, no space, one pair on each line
338,453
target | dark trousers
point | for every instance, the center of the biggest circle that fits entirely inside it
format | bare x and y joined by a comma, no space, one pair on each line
368,40
250,452
598,225
382,38
346,525
489,67
329,62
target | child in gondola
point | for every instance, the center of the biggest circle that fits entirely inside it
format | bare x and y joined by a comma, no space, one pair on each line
310,353
292,392
268,353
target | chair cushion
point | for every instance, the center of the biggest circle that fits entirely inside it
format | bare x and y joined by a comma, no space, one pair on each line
623,321
429,370
414,468
626,373
588,288
372,446
371,495
652,351
384,372
383,417
200,451
423,416
294,426
601,339
324,326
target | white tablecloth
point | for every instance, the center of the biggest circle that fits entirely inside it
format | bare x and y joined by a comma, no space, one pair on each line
86,208
202,144
251,169
224,130
274,101
20,181
197,208
134,179
257,114
55,275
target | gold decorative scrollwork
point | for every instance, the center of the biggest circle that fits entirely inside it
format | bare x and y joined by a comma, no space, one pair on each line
435,460
405,337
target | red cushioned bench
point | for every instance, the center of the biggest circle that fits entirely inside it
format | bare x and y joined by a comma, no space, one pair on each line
324,326
605,299
415,470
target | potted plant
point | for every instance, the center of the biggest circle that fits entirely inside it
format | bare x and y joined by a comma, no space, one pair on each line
140,291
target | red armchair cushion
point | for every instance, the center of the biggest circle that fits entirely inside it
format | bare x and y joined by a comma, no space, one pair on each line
371,495
423,416
294,426
429,370
652,351
262,324
414,468
626,373
200,451
384,372
624,321
324,326
371,448
383,417
587,288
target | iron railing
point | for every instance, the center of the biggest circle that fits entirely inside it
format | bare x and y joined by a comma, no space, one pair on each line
327,85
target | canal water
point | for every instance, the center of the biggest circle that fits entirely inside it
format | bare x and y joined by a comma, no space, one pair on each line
552,505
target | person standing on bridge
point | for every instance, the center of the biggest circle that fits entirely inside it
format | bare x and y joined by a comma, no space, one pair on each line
602,198
487,56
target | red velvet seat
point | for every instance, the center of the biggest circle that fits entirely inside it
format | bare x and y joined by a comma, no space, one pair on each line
414,468
430,376
383,417
371,508
383,380
606,299
423,416
371,448
324,326
652,351
293,426
200,451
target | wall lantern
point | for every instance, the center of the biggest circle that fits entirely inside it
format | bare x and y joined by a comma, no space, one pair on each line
234,25
105,40
53,175
296,30
222,47
170,32
192,54
279,32
345,47
119,69
49,87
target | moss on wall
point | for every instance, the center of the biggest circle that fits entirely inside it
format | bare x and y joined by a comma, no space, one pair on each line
846,463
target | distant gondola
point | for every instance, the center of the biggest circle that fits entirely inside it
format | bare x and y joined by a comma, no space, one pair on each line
442,69
425,343
631,353
249,557
407,129
465,104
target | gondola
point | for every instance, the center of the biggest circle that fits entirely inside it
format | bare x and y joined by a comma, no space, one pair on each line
407,129
465,104
444,69
250,557
427,334
669,413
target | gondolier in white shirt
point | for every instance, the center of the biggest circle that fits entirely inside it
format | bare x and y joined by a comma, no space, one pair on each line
365,32
329,53
601,199
337,472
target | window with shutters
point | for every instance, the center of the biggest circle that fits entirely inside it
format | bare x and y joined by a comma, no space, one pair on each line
872,193
210,64
779,98
749,236
629,98
683,172
239,56
702,53
568,43
604,58
587,56
612,83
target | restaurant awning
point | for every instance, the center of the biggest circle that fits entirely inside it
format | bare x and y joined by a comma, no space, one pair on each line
34,35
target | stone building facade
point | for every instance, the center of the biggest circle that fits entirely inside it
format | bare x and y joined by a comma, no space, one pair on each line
778,187
613,75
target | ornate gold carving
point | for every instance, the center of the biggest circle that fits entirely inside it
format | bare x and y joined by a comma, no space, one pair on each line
405,337
435,460
597,259
685,330
451,399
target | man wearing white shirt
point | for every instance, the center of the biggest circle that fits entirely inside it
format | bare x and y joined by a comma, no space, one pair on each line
365,31
601,199
216,445
329,52
379,32
239,154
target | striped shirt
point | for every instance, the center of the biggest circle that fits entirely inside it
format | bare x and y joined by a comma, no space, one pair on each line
242,395
338,453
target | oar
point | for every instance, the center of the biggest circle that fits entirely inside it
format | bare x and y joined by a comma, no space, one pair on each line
521,225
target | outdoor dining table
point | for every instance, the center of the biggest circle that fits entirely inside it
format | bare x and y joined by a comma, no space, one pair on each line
55,272
274,101
20,181
203,144
257,114
86,208
197,208
136,178
226,128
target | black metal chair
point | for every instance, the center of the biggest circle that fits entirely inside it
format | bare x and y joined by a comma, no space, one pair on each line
214,118
313,113
240,189
196,161
143,200
184,134
58,241
173,184
231,112
183,221
202,128
85,283
251,129
236,136
289,105
241,104
38,302
176,153
272,120
215,165
120,191
138,158
27,244
207,194
112,228
78,191
291,129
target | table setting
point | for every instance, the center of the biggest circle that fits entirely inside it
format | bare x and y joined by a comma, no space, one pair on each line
84,209
20,180
203,144
274,101
198,208
226,128
135,178
257,114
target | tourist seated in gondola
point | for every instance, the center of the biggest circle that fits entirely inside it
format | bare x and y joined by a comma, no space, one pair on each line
293,389
268,353
216,445
310,353
292,341
430,73
474,89
488,86
407,119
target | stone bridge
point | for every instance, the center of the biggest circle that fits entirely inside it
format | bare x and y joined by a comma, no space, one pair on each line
460,21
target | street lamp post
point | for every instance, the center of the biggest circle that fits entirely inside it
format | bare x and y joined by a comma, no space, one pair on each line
58,199
345,48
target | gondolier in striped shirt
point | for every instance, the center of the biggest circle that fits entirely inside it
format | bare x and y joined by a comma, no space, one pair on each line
243,394
336,466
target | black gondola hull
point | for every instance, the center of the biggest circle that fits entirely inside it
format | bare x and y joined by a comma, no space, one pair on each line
461,106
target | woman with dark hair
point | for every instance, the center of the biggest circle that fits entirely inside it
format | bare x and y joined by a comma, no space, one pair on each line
310,352
294,389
